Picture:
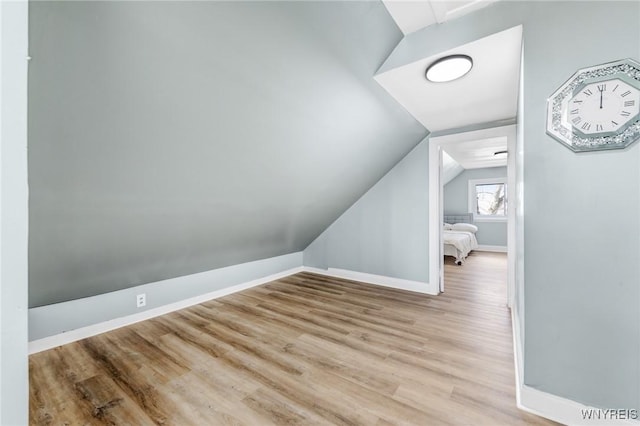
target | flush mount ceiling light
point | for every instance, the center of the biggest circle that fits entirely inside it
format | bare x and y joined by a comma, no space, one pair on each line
449,68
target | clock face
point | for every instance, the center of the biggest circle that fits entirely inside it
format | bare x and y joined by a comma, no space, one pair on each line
604,106
597,108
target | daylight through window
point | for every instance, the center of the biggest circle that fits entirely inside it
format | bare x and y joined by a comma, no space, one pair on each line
491,200
488,198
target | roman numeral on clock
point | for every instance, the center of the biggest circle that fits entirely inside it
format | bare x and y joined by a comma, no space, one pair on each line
575,111
625,113
586,126
576,120
614,123
602,87
629,103
628,92
588,92
599,127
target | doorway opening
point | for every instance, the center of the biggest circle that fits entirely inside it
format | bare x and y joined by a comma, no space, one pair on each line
470,180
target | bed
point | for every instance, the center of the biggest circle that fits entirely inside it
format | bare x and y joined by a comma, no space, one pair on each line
459,236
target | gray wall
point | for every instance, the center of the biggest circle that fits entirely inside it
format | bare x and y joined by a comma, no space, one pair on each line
102,309
169,138
456,200
386,232
580,289
581,212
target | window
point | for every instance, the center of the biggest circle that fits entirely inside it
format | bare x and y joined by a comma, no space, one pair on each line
488,199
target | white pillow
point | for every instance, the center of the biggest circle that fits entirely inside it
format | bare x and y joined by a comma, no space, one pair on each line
464,227
448,226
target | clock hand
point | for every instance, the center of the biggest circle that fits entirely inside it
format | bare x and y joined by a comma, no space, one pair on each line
601,99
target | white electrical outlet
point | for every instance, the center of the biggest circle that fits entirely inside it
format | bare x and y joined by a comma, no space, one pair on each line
141,300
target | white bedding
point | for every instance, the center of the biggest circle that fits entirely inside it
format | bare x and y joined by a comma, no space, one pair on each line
459,243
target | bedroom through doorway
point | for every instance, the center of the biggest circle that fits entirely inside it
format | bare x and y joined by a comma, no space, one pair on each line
471,177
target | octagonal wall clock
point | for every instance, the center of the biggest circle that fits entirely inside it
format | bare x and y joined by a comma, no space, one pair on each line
598,108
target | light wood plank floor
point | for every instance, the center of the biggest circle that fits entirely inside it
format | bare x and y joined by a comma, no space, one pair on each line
306,349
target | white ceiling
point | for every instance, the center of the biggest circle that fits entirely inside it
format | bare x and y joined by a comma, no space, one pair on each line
479,153
414,15
488,93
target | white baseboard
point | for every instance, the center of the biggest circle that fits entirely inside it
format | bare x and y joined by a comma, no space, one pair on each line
517,352
381,280
566,411
79,333
497,249
553,407
67,322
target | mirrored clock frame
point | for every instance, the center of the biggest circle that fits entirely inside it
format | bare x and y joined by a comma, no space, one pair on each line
561,129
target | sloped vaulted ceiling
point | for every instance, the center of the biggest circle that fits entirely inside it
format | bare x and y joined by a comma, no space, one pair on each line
171,138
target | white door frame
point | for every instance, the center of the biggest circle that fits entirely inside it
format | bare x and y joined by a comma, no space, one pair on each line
436,144
14,368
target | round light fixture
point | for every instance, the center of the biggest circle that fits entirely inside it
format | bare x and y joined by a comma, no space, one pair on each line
449,68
